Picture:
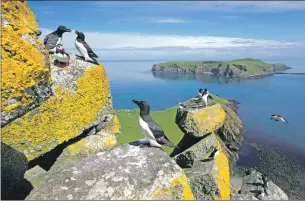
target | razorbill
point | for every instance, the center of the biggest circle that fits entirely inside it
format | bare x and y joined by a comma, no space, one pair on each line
204,96
277,117
61,56
55,38
84,48
102,125
150,129
181,105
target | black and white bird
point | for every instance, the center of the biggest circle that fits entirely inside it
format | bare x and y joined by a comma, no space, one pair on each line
181,105
55,38
84,49
277,117
150,129
103,125
60,55
204,96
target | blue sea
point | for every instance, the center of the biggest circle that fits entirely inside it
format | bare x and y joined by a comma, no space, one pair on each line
259,98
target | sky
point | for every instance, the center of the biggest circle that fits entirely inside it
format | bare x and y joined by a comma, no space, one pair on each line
180,30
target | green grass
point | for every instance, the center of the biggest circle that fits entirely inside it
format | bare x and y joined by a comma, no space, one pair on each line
130,129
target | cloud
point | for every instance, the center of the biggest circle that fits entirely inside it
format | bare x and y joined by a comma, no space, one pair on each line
230,17
166,20
219,6
149,46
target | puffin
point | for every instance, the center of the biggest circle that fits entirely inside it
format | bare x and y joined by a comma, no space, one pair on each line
61,56
277,117
55,38
204,96
150,129
84,49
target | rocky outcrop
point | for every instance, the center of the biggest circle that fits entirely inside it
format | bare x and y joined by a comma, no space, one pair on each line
35,175
199,122
13,167
127,172
201,151
259,186
242,68
25,69
81,101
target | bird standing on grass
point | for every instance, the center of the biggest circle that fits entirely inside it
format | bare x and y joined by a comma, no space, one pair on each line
150,129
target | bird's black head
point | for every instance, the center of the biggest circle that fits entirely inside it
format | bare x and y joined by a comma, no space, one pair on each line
205,90
60,49
80,35
144,106
62,29
200,90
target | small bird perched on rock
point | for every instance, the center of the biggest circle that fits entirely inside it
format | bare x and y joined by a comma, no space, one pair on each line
204,96
277,117
84,49
61,56
55,38
150,129
181,105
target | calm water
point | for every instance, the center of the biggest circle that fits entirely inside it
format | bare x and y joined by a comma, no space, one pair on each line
283,94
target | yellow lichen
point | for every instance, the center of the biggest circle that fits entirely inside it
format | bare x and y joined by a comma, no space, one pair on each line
110,143
62,116
223,174
116,126
23,65
209,119
179,189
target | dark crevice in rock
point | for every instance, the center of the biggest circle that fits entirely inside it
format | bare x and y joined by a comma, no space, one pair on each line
186,142
19,192
47,160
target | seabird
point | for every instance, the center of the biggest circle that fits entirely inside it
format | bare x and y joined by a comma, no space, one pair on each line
277,117
61,56
84,49
102,125
55,38
181,105
150,129
204,96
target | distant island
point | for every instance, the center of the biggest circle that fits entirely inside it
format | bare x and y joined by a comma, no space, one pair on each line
241,68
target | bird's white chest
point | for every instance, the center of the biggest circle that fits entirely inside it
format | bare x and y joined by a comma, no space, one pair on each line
59,40
145,129
80,47
61,57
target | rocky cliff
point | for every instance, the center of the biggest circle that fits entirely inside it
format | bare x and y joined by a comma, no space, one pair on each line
51,116
242,68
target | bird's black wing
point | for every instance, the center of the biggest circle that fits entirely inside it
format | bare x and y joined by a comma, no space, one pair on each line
90,51
155,129
45,40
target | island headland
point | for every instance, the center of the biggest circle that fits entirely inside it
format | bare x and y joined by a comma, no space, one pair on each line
240,68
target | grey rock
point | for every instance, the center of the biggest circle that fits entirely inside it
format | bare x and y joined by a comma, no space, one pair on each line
236,196
198,151
35,175
127,172
13,166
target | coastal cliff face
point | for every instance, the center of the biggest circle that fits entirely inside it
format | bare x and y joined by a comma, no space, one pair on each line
25,62
241,68
89,164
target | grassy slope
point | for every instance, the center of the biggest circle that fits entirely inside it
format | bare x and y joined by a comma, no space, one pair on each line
130,130
254,66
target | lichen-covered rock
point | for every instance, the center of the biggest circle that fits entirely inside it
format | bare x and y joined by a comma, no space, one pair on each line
13,166
25,62
199,122
77,105
87,146
127,172
210,180
198,151
262,188
35,175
